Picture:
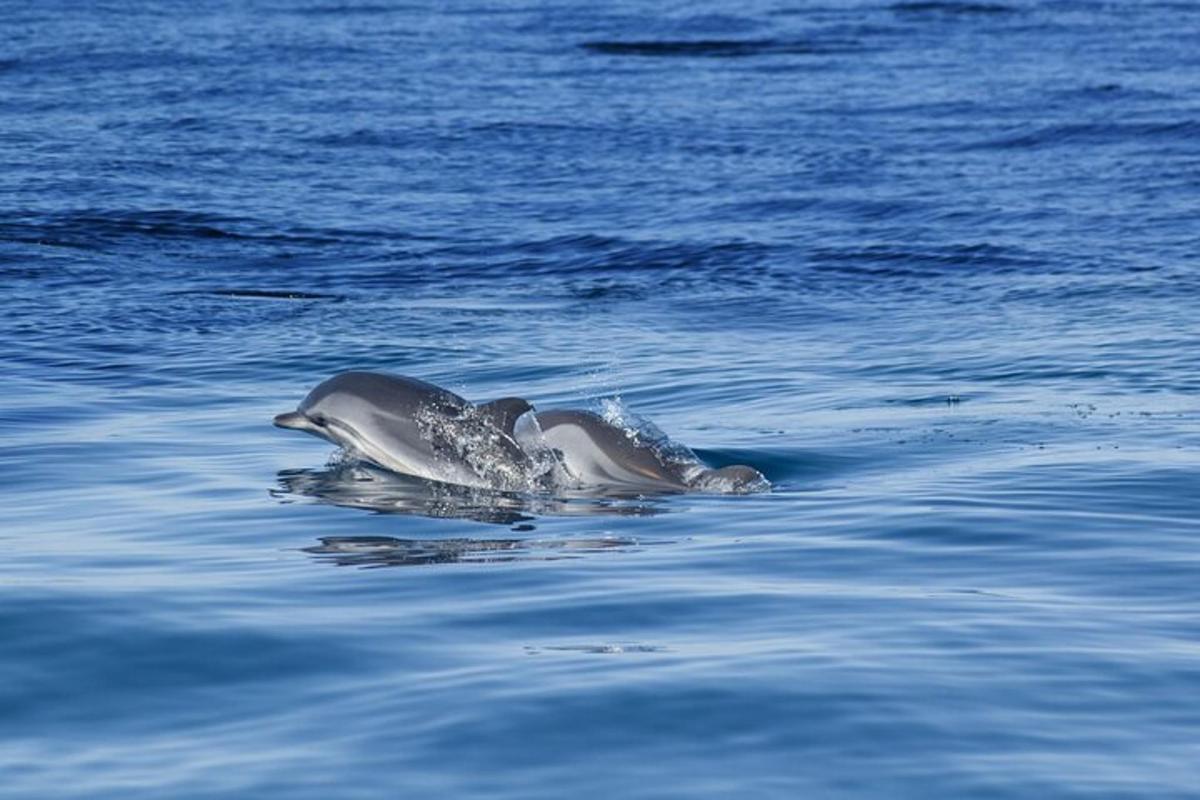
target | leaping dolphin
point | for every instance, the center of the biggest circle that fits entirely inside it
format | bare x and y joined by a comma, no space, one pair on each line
415,428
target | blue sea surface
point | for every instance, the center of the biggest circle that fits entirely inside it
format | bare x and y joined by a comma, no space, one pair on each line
933,267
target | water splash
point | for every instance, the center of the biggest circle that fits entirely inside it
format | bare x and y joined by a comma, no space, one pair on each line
470,437
644,432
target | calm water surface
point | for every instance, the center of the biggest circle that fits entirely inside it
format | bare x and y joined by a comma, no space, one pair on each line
932,266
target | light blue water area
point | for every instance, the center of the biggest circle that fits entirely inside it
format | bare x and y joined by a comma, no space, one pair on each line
932,267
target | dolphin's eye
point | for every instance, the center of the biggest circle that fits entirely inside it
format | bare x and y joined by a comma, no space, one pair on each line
318,420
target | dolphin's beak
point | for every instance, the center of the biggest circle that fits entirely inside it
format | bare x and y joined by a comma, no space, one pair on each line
292,419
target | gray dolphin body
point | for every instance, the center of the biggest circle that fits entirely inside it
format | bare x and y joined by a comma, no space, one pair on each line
597,453
415,428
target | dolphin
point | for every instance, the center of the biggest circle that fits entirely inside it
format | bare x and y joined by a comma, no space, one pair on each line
594,452
415,428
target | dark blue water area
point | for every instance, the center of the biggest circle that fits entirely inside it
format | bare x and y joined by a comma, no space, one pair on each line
933,267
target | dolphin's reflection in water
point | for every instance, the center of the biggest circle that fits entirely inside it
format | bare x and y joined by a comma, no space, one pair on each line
386,551
359,485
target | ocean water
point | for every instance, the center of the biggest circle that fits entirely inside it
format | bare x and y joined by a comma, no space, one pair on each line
933,267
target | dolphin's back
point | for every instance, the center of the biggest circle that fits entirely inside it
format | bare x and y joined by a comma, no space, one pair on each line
390,394
594,451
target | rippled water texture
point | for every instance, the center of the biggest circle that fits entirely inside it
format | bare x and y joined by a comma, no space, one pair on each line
930,266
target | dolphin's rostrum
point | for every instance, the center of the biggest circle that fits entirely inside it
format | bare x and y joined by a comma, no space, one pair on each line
412,427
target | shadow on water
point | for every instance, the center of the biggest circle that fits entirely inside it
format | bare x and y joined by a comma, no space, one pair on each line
386,551
359,485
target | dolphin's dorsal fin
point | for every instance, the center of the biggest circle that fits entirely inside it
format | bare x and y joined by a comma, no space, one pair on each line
503,413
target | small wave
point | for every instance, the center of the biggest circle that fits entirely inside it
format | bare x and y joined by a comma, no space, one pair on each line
82,227
608,291
859,208
949,8
594,255
608,648
95,228
718,48
368,137
1114,93
154,124
887,261
86,229
348,9
525,126
1094,133
928,400
260,294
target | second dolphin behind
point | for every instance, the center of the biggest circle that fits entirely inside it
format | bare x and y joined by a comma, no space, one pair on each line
595,452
